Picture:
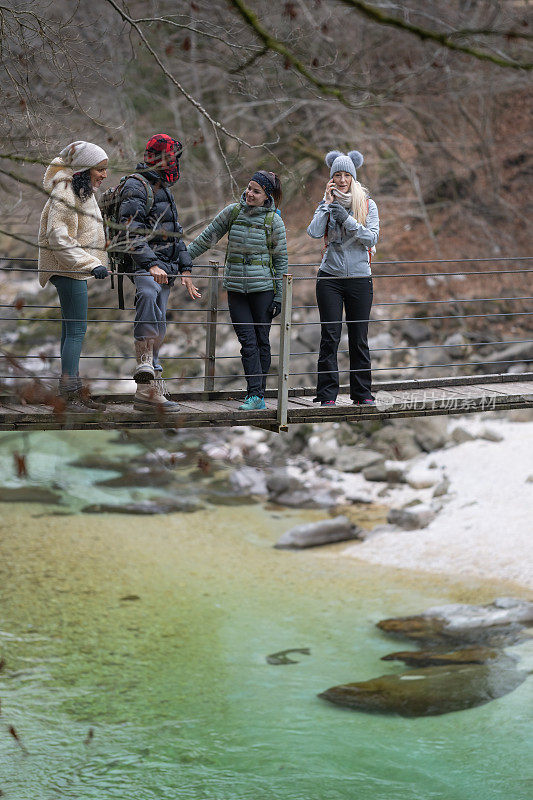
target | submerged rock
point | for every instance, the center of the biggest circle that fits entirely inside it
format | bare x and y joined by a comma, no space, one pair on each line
99,461
29,494
145,507
434,658
141,477
430,691
497,623
312,534
283,656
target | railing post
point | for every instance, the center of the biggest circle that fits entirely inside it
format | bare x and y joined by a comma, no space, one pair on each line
284,353
211,333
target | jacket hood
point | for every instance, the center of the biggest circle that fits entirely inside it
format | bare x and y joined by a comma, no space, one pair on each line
151,175
268,206
56,172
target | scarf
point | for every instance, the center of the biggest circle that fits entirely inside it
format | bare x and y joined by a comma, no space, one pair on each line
344,198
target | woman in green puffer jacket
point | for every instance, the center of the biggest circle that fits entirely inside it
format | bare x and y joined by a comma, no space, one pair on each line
255,262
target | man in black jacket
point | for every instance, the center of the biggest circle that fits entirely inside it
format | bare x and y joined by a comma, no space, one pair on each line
158,256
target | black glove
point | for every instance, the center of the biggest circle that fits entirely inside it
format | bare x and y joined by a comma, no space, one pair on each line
100,272
274,309
339,214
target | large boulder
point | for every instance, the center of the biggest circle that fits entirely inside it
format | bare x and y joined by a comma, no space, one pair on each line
431,433
312,534
248,480
355,459
387,471
284,479
502,621
412,517
436,658
396,442
432,690
457,345
421,478
322,449
287,486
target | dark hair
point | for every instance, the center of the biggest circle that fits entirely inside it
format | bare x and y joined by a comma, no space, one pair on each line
274,181
82,185
277,194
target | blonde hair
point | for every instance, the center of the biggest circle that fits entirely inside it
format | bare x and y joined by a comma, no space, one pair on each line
359,201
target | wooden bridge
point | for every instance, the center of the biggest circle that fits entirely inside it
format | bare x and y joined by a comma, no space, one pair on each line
285,405
457,395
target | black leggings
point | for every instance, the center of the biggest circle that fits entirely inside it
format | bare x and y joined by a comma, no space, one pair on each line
252,308
355,294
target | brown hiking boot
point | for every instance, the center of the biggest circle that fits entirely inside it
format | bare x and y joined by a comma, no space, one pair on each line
144,352
151,397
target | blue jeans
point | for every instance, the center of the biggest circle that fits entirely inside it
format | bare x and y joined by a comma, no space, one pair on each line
73,299
151,301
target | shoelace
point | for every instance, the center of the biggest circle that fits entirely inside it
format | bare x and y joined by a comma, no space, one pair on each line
161,387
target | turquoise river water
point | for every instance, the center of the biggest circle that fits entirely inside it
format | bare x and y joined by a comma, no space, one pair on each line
135,657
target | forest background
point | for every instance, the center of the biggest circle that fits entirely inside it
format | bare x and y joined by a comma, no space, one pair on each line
435,95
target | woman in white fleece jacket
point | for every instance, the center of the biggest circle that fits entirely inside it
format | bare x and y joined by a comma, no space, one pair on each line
71,250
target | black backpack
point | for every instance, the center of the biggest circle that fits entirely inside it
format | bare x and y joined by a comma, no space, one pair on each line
120,261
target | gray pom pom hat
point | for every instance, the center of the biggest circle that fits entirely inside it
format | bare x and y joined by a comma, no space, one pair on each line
339,162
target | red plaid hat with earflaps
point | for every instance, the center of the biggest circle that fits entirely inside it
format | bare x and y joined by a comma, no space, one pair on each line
161,144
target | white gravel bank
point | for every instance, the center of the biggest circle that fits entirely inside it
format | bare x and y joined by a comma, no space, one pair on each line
485,528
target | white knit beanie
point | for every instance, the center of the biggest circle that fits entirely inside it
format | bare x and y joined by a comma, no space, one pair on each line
82,155
339,162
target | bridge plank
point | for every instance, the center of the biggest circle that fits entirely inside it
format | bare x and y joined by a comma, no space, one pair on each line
411,400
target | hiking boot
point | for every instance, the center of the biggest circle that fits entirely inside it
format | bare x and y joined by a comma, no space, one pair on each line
70,403
253,403
151,397
85,397
144,371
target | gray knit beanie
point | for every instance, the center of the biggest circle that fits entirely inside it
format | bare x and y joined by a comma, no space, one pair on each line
82,155
339,162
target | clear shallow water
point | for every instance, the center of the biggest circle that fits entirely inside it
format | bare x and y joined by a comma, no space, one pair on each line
175,685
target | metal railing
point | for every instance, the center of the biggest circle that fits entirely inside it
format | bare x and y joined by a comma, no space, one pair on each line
212,321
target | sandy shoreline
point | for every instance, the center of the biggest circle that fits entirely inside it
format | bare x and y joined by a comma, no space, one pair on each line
485,529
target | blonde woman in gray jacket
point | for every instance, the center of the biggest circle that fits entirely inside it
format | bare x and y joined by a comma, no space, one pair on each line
347,218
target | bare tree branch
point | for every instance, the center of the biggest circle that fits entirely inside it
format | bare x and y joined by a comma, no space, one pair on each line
444,39
216,125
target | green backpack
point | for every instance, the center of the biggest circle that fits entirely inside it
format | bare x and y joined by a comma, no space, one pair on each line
268,223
